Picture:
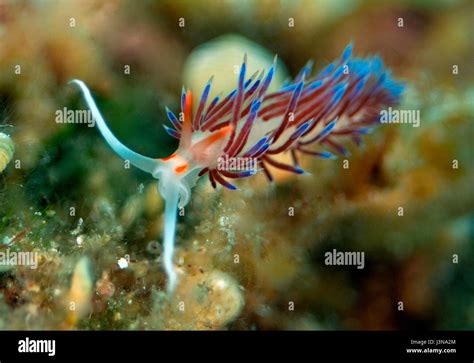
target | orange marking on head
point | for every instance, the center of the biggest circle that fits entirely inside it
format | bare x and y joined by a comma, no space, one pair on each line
181,169
168,157
217,135
206,150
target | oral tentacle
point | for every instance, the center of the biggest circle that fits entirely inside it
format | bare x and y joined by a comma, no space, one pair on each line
140,161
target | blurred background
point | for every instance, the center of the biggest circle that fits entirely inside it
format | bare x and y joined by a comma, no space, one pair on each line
67,197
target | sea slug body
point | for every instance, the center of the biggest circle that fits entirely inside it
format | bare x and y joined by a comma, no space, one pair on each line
310,115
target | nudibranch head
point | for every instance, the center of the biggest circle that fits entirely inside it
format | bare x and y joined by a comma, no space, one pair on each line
196,150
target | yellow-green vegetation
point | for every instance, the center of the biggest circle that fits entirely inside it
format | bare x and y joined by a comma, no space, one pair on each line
254,258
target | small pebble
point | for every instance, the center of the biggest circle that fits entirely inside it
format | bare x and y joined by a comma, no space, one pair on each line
122,263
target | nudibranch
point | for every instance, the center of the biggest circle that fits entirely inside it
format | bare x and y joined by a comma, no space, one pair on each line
343,102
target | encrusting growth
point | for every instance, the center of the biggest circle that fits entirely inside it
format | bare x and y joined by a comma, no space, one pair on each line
343,102
7,148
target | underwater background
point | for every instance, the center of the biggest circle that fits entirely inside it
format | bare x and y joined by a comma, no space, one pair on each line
252,258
